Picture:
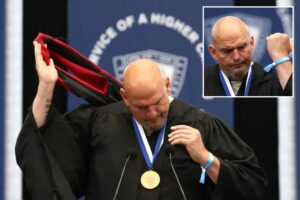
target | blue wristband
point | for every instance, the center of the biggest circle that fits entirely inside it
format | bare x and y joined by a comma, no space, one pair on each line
206,167
276,62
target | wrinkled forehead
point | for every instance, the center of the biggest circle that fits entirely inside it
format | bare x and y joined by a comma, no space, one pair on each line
231,42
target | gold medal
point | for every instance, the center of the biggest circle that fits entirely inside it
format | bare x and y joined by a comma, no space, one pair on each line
150,179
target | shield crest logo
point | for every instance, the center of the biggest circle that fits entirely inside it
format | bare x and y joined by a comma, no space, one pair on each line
174,66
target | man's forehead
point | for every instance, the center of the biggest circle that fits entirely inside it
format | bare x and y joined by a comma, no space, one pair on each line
148,102
232,44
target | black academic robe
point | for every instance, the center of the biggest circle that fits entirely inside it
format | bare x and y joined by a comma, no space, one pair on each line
263,83
83,153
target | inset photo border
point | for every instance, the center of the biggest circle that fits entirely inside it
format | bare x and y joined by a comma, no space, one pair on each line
230,51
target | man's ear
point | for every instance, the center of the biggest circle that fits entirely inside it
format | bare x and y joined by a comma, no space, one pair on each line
251,41
168,85
213,52
124,96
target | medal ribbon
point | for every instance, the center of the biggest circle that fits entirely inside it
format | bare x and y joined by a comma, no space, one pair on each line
227,86
144,145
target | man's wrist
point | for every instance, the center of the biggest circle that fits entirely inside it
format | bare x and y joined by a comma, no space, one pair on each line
209,161
276,62
206,167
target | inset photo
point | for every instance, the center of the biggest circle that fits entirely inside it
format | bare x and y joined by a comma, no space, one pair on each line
248,51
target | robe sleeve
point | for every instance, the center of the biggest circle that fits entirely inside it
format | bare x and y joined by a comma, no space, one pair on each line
240,175
277,89
54,158
288,90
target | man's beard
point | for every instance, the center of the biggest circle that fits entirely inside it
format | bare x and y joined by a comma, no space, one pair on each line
238,75
148,127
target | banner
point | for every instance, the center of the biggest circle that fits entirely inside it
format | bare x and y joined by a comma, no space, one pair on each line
114,33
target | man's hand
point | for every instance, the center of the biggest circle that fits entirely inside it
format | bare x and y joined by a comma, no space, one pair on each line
47,73
279,45
191,139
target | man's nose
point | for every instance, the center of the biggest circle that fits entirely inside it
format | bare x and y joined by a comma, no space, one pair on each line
151,112
236,55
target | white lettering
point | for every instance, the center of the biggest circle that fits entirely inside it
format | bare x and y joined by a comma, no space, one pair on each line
121,25
124,24
186,30
173,23
178,25
130,20
111,32
142,19
169,22
157,18
193,37
199,49
104,40
94,58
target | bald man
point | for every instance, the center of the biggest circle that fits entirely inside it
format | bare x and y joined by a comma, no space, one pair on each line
235,73
84,152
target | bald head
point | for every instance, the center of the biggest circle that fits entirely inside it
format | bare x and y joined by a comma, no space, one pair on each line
229,28
142,75
146,92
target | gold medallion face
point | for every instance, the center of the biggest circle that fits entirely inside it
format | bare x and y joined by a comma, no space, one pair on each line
150,179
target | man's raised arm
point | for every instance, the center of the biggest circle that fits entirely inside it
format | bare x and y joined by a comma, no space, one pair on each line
279,46
47,78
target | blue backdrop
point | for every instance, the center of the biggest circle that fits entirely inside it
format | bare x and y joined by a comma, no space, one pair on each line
1,94
114,32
